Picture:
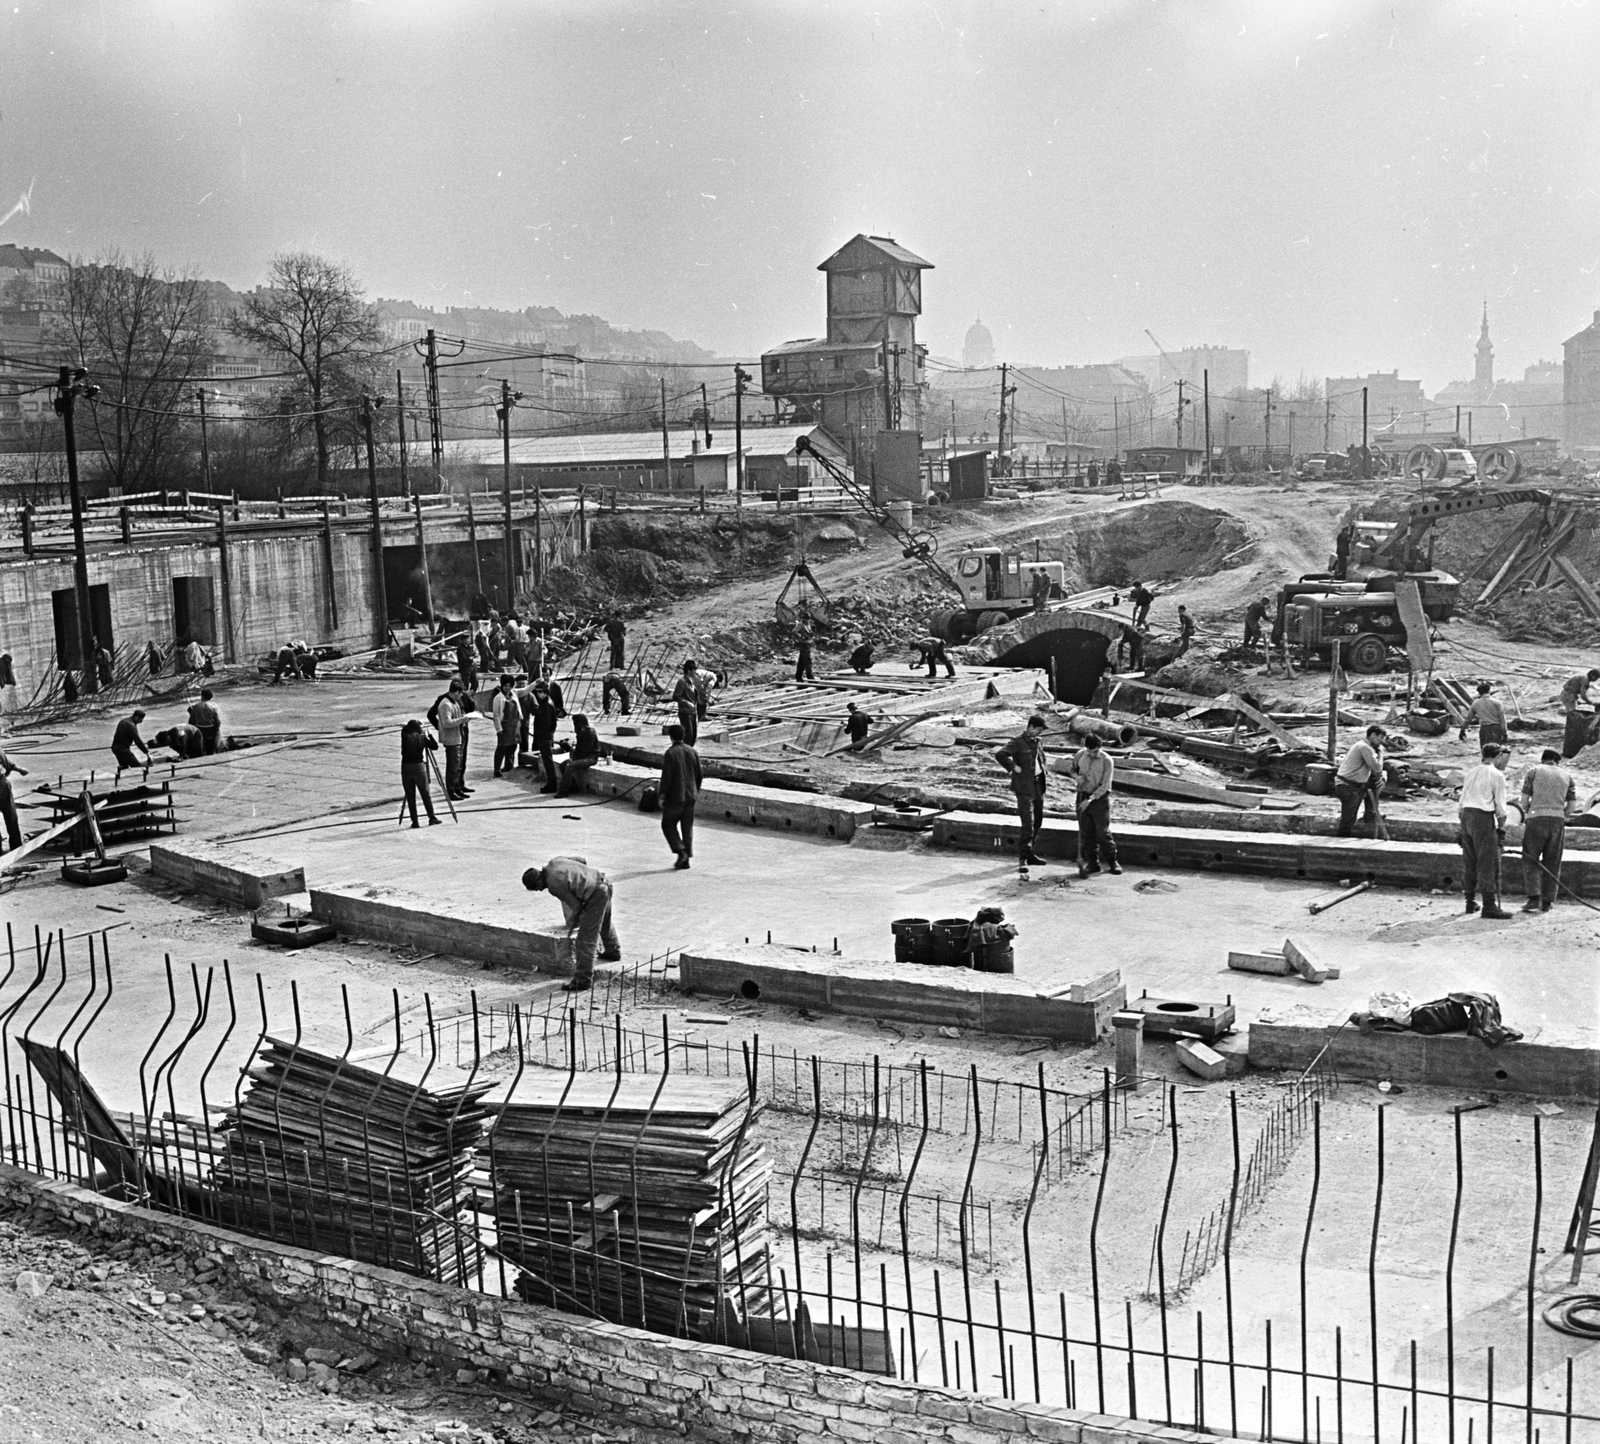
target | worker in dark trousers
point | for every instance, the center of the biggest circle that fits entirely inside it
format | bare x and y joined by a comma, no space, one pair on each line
1185,630
586,751
678,790
802,666
1490,717
542,728
126,738
8,801
1483,831
1094,770
285,661
1254,615
507,712
614,684
1548,797
1024,758
857,724
450,717
415,745
1039,590
1141,596
616,632
183,739
861,659
467,664
1358,780
931,650
584,893
204,715
686,697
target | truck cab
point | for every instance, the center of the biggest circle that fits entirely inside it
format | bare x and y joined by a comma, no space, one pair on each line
996,585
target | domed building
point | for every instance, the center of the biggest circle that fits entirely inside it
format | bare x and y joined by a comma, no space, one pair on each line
977,350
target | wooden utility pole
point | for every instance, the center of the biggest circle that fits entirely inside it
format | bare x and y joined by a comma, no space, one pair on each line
1333,705
1205,381
1116,428
1000,439
435,421
71,384
400,419
422,551
1366,458
1180,413
223,574
741,379
379,587
666,445
705,414
1266,443
205,443
508,399
472,541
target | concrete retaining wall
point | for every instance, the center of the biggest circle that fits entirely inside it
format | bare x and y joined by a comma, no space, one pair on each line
908,992
1545,1067
702,1391
436,925
229,873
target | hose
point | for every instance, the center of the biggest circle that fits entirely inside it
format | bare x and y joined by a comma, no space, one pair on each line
1576,1314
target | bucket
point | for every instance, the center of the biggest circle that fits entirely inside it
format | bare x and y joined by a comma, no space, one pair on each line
950,941
1319,779
900,512
913,940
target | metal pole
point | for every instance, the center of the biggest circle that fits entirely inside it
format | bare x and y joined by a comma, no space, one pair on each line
1366,459
379,591
741,378
80,556
508,562
1333,702
205,445
400,419
1205,377
422,552
666,445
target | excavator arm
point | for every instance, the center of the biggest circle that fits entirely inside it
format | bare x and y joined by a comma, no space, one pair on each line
917,546
1406,540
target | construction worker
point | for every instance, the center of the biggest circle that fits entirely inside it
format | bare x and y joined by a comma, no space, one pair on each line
507,725
584,893
931,650
1024,759
614,682
1185,630
1040,590
466,663
677,792
1093,768
126,738
1254,615
1548,797
616,634
1489,715
861,659
1141,596
450,717
1483,830
183,739
543,716
802,665
8,801
1575,691
587,750
204,715
415,745
686,696
1358,780
857,724
284,662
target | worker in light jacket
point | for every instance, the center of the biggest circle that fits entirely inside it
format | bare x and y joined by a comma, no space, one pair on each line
1094,771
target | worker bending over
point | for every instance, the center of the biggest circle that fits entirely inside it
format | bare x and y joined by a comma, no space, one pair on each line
1575,691
1358,781
584,893
126,738
1483,830
931,650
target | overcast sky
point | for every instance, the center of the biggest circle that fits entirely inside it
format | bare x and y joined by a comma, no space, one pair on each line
1334,186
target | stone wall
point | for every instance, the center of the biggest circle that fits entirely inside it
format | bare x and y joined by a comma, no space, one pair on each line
702,1390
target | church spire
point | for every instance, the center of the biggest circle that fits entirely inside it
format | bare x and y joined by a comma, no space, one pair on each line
1483,378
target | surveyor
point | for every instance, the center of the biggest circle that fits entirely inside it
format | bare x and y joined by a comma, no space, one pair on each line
1488,714
1040,590
584,893
1024,759
1094,770
1548,797
586,751
802,664
450,717
930,650
1254,615
415,745
614,683
507,725
126,738
1575,691
8,801
184,739
857,724
204,715
677,792
1483,830
1141,596
616,633
686,697
1185,630
861,659
1357,782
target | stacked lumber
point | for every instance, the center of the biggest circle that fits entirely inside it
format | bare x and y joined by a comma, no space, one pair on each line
371,1161
634,1197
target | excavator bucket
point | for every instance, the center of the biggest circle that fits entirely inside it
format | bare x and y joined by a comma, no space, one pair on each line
801,599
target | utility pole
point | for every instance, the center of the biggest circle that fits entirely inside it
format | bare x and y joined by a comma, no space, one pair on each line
1180,414
741,379
71,384
508,399
888,396
1205,381
1327,419
205,445
1458,423
1000,439
705,414
1469,428
400,419
435,421
666,445
1116,428
1266,445
1366,460
1291,436
379,589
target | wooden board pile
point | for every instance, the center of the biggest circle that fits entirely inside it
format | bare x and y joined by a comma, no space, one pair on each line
371,1160
633,1197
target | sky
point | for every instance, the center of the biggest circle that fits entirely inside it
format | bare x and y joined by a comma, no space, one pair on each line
1336,187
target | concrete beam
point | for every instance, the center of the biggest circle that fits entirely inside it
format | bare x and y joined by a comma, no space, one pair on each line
230,873
907,992
1325,824
741,802
1545,1066
436,925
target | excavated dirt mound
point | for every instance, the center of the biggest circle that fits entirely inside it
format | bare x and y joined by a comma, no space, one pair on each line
1162,541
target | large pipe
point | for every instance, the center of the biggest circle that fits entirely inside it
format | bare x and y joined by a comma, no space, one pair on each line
1086,724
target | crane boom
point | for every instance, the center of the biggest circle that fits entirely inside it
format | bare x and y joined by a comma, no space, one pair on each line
1420,515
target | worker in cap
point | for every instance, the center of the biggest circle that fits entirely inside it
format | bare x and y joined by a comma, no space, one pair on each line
584,893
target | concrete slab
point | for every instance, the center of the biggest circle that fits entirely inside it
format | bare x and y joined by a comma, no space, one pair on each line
906,992
234,874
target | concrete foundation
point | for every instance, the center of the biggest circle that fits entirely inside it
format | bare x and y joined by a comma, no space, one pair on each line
906,992
229,873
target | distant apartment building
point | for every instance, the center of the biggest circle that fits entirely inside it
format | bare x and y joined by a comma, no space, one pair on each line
1227,366
1580,381
1393,404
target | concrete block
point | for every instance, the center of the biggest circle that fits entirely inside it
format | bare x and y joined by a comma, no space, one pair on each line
1202,1061
1129,1030
218,870
1096,988
744,803
1179,1018
1274,964
1305,963
438,925
1235,1052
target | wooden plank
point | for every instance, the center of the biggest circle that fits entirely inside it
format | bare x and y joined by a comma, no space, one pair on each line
1419,646
1290,742
33,844
1588,598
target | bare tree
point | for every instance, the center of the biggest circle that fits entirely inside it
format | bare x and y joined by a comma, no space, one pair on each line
145,333
312,318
